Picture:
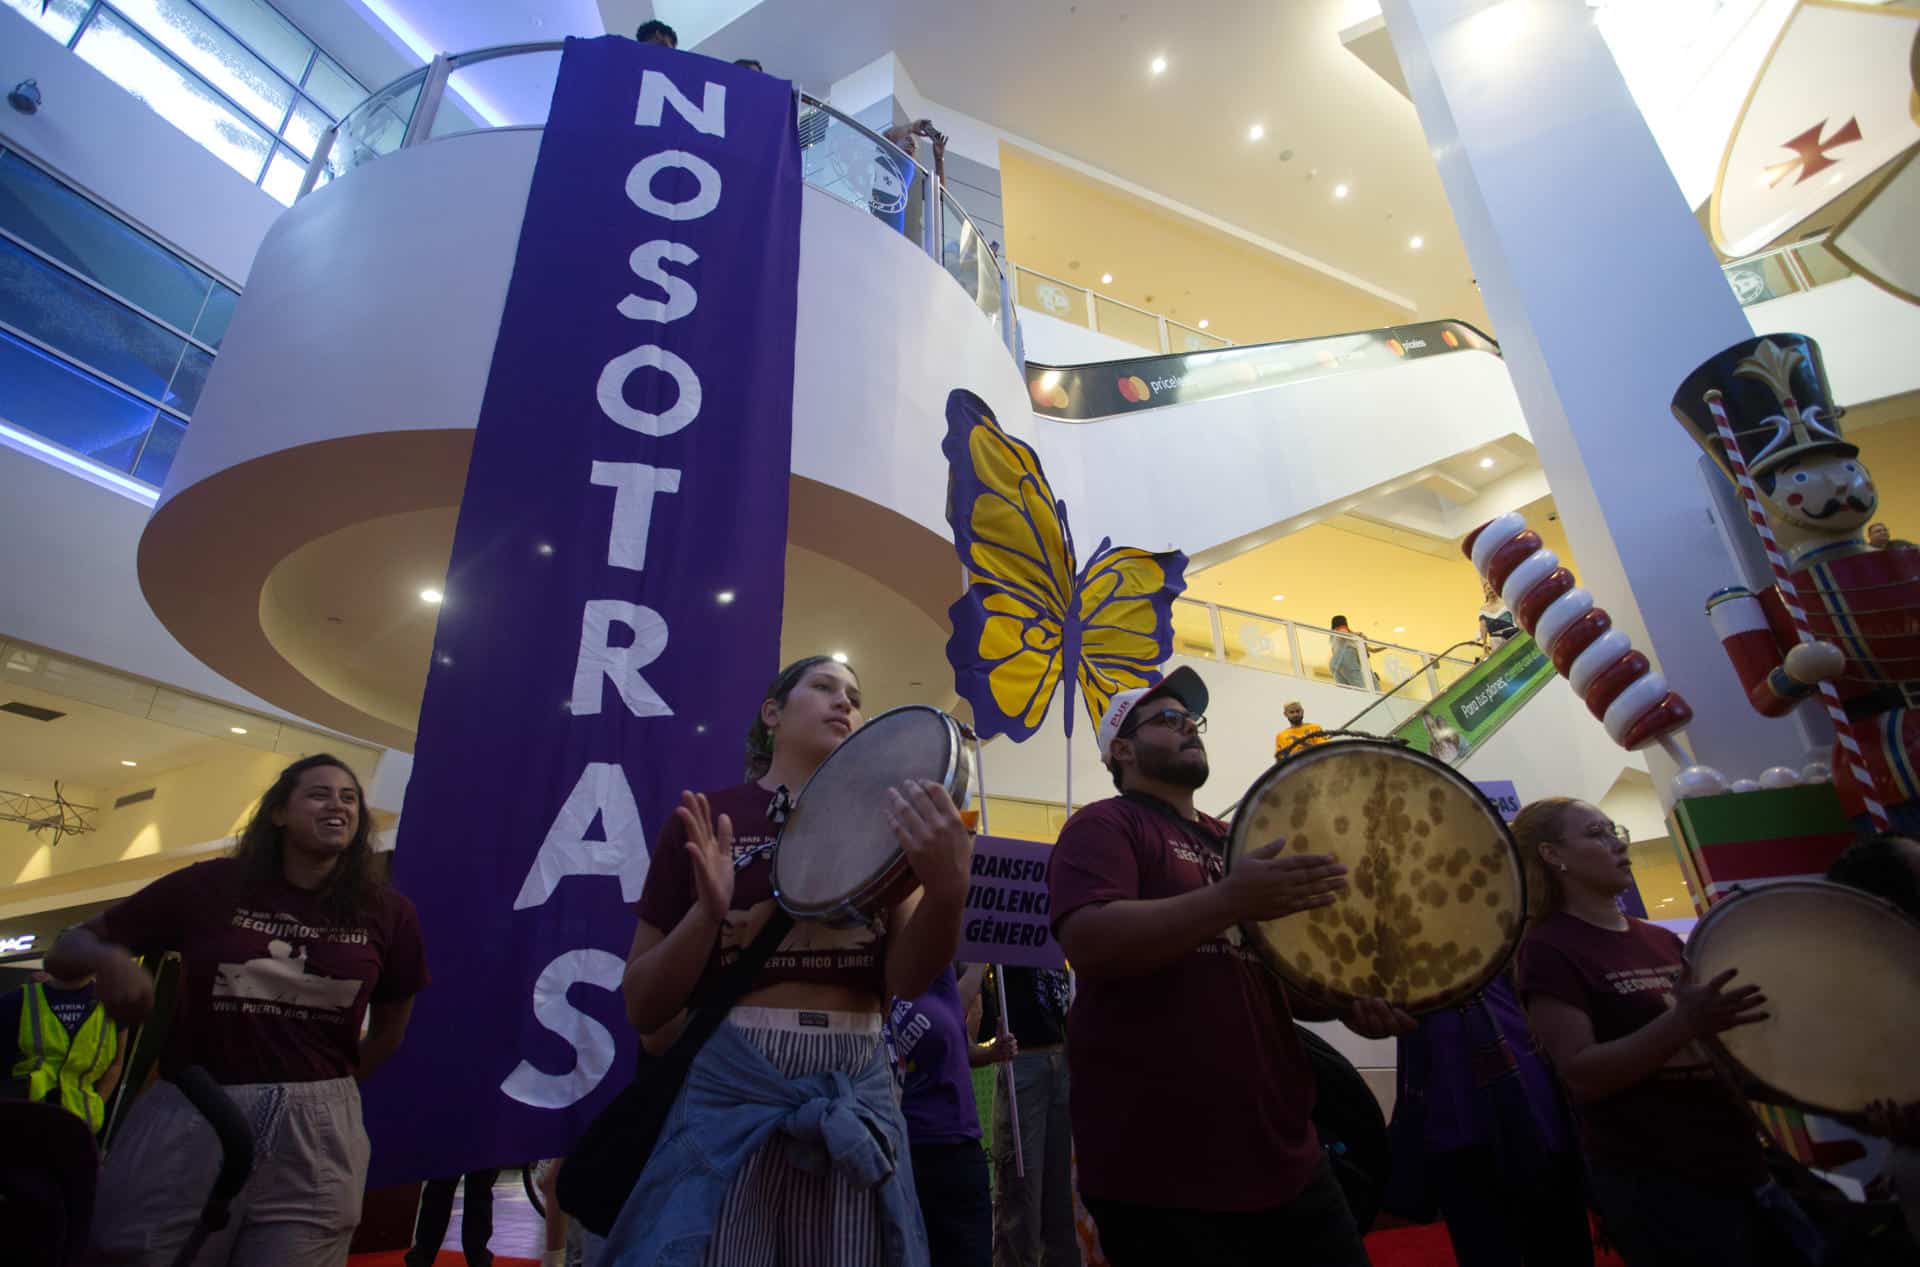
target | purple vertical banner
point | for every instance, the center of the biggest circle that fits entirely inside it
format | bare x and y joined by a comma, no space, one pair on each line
612,610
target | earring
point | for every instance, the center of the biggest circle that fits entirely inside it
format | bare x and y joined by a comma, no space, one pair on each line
1563,866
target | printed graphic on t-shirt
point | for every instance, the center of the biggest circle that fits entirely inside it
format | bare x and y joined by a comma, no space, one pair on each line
1690,1060
1213,869
282,982
71,1010
811,944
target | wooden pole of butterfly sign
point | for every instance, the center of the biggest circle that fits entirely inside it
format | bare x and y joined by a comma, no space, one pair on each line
1002,1031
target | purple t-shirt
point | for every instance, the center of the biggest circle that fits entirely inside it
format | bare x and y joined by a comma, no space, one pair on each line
1191,1089
1683,1120
1461,1064
930,1040
272,988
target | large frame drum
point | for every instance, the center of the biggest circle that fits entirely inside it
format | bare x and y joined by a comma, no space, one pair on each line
1436,899
1841,972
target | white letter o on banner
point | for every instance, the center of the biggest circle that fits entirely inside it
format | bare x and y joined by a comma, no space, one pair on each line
612,391
640,185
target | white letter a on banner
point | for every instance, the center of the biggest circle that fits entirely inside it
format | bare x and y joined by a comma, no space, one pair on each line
602,793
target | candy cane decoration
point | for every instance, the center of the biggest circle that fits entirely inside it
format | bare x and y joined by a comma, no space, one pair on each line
1790,598
1618,684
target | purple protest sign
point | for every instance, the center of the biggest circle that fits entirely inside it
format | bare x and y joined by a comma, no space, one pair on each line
612,609
1007,917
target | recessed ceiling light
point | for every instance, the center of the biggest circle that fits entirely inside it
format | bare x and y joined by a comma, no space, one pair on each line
1486,464
1341,191
723,597
1399,629
1106,279
1203,323
1279,598
839,657
238,730
431,596
1416,241
1158,66
130,763
1255,132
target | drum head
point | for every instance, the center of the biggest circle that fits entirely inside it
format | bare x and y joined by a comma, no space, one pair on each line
836,846
1841,972
1436,898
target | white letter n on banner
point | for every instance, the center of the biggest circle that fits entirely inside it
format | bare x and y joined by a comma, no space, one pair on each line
602,793
656,90
592,1045
600,659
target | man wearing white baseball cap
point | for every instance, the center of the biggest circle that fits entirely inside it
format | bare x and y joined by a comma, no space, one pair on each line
1192,1095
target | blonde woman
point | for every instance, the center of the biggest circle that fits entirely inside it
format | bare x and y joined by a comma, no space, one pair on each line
1675,1161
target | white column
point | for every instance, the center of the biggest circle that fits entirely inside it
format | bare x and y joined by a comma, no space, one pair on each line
1604,294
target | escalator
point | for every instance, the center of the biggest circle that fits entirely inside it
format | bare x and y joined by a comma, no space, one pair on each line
1459,720
1110,389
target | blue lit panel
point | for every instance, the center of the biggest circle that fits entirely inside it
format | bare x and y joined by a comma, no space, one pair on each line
50,398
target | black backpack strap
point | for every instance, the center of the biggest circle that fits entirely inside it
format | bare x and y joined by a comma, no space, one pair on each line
734,982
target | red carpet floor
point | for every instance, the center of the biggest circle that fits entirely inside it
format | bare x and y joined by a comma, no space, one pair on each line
1401,1247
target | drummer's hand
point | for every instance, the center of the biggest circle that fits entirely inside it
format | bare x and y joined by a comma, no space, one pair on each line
934,837
1897,1122
1264,885
711,849
1710,1008
1003,1048
1377,1018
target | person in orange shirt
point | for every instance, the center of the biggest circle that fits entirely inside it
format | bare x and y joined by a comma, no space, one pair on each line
1299,730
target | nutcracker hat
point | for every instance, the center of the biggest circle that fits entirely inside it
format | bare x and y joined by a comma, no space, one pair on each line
1777,396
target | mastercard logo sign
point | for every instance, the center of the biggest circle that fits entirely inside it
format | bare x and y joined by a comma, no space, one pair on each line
1135,389
1047,392
1394,346
1449,338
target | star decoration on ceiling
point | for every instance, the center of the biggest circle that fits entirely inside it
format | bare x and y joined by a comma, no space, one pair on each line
1810,152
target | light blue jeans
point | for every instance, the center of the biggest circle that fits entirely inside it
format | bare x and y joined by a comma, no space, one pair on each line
807,1120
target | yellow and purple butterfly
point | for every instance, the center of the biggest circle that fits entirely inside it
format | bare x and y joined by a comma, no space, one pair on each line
1031,617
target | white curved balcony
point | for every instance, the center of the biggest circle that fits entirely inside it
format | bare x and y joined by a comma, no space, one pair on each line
316,492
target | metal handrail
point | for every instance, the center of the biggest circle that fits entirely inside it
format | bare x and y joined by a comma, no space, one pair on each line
433,80
1428,658
1093,295
1352,723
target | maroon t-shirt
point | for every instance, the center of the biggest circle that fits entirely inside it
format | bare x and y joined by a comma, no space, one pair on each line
1684,1120
812,952
1190,1086
271,988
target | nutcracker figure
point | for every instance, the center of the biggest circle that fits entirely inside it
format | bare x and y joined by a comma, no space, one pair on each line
1852,617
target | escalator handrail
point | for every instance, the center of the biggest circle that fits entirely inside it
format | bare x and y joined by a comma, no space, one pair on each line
1226,815
1043,366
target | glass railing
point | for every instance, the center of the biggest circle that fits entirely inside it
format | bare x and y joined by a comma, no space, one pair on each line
1208,631
1106,315
1785,270
839,156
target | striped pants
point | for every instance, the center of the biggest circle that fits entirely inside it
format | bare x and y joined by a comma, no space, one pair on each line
775,1214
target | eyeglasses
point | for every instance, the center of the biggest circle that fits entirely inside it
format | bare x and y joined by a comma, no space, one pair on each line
1176,719
1601,831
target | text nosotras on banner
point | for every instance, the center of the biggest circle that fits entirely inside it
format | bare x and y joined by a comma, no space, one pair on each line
1008,912
631,462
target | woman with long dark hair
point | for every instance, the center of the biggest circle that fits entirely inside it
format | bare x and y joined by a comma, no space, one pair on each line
786,1142
285,947
1676,1167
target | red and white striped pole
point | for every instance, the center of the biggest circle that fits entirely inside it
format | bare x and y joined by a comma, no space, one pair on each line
1829,694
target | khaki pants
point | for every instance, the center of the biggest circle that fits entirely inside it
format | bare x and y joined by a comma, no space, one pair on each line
1033,1217
298,1208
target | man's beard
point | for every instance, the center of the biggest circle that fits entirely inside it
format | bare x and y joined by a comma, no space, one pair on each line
1173,767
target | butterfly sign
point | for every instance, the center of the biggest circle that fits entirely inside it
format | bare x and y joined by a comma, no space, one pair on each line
1031,617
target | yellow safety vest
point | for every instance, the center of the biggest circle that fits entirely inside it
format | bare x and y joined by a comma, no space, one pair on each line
64,1068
